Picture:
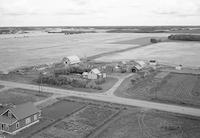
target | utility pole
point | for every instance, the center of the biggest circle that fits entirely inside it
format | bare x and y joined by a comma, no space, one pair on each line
40,83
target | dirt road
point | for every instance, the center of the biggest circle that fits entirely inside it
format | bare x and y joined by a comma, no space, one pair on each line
109,97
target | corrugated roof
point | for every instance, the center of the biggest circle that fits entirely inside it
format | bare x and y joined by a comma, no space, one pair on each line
73,59
141,63
24,110
96,71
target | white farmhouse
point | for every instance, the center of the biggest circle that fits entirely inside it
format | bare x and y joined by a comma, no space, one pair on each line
96,74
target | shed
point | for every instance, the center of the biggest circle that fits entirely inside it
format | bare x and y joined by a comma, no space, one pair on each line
153,62
179,67
85,74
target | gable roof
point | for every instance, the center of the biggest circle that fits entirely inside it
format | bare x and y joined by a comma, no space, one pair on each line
73,59
3,109
95,71
141,63
24,110
6,120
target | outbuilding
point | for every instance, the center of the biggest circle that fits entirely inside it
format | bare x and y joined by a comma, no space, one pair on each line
179,67
96,74
71,60
153,62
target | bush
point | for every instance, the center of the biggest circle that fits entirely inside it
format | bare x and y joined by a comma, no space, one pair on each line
153,40
100,81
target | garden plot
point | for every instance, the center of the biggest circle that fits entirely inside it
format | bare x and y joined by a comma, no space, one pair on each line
80,124
19,96
151,124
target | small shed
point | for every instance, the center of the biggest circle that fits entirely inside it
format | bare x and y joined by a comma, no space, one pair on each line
179,67
85,74
153,62
71,60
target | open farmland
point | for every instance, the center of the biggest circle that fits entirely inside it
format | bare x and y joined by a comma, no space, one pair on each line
28,51
174,53
19,96
151,124
80,124
174,88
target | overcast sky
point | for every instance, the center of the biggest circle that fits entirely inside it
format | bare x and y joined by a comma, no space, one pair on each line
99,12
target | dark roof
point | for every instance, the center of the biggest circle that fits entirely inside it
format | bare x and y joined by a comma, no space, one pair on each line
2,109
24,110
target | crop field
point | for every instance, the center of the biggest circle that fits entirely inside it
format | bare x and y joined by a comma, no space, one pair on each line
79,124
167,52
15,52
175,88
151,124
19,96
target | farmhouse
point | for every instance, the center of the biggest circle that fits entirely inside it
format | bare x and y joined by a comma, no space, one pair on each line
71,60
96,74
18,117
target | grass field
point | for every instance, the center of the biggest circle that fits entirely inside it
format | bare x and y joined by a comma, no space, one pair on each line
61,109
151,124
19,96
182,89
80,124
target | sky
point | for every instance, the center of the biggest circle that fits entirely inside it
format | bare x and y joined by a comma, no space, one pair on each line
99,12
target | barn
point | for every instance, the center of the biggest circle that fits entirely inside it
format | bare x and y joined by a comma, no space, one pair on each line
18,117
71,60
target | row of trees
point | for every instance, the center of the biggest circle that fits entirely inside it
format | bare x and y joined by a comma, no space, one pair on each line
70,81
184,37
